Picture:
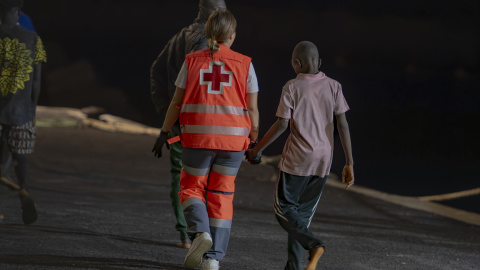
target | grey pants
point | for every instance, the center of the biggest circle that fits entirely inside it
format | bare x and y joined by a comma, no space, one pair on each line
296,199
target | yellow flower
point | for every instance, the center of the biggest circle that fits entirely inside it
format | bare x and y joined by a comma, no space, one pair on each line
40,53
15,65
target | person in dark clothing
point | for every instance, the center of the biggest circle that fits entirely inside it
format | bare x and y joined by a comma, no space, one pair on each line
25,22
21,57
163,74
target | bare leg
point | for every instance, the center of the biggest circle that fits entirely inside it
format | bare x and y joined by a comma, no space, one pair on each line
21,169
6,162
315,255
29,212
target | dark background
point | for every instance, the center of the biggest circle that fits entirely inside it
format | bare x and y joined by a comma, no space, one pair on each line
409,71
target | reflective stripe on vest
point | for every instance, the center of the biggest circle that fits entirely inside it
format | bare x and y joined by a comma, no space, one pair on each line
202,108
236,131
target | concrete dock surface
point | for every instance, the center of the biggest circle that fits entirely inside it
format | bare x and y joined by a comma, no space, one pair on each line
103,203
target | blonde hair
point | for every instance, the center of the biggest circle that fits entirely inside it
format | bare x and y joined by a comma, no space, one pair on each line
219,27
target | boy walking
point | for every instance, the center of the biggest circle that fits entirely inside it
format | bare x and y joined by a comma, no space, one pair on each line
309,103
21,56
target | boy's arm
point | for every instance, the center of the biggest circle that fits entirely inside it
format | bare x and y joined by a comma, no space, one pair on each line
273,133
254,114
36,83
344,133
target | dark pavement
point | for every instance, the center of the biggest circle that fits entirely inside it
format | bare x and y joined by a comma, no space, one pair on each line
103,203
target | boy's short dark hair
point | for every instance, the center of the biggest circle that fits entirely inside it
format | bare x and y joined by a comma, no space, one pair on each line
7,5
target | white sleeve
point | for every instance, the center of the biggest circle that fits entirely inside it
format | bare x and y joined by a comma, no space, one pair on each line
252,82
181,81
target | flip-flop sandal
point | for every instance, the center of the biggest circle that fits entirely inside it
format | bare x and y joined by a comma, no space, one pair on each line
29,212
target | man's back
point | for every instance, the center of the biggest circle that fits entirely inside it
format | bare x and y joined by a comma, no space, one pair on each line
310,101
20,51
165,69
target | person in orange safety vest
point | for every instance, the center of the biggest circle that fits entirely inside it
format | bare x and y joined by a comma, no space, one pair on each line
216,100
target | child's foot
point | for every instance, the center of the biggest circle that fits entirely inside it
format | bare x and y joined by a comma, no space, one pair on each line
200,245
315,255
29,213
4,181
211,264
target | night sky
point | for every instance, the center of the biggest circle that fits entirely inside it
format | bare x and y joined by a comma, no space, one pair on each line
409,71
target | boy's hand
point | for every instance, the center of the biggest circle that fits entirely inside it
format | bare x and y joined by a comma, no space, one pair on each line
254,158
252,154
161,140
347,176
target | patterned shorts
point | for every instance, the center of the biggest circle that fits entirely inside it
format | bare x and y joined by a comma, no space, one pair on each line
21,139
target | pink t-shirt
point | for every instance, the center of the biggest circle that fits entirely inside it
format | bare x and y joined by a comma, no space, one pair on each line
310,101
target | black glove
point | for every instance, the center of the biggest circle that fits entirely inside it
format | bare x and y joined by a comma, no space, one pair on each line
161,140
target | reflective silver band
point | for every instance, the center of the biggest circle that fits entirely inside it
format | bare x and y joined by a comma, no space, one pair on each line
195,171
218,130
276,206
224,170
220,223
191,201
201,108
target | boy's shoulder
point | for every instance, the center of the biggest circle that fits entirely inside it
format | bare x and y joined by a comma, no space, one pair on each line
319,77
331,79
332,82
18,33
320,81
290,83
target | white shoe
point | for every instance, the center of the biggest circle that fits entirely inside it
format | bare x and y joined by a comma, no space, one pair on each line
210,264
200,245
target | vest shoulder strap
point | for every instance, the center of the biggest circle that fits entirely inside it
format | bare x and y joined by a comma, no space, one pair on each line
223,52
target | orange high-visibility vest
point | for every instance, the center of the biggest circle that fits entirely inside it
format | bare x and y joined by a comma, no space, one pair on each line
214,111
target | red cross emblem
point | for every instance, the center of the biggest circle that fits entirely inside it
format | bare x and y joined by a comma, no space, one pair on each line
216,77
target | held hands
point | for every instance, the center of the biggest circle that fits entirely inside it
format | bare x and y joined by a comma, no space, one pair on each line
347,176
161,140
252,155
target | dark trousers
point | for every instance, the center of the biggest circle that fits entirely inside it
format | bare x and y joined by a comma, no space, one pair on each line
296,199
176,167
